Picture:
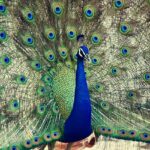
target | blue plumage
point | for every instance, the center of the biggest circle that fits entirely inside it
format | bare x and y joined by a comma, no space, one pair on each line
78,124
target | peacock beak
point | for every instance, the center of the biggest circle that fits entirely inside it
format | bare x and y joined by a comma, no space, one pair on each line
87,57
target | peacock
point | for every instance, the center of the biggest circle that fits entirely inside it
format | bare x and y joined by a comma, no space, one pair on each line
71,69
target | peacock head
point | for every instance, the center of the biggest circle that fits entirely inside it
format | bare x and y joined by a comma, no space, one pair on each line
83,53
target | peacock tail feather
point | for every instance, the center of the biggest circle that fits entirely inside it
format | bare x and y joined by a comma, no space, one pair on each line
39,41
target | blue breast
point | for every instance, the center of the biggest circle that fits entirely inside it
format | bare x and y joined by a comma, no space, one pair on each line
78,124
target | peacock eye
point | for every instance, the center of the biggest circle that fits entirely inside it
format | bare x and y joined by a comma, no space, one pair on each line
89,13
144,136
124,51
114,71
13,147
147,77
96,39
28,142
99,87
47,137
3,36
7,60
94,61
30,40
122,132
132,133
105,105
58,10
36,139
51,35
118,4
51,57
2,8
63,53
125,28
71,34
55,135
37,65
30,16
131,94
15,103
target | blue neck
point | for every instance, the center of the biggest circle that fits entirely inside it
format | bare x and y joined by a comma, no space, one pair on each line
78,124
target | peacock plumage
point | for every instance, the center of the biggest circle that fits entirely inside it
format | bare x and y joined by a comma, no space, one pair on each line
71,68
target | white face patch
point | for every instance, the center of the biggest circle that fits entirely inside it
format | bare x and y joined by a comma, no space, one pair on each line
81,50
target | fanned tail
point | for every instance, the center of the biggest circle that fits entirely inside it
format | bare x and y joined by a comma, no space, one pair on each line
39,41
